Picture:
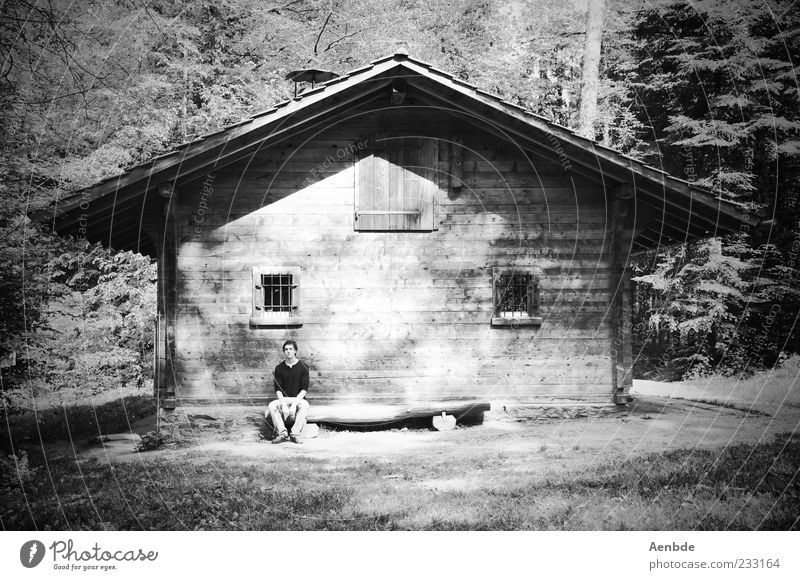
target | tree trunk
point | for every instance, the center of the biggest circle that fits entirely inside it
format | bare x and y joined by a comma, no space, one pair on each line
590,77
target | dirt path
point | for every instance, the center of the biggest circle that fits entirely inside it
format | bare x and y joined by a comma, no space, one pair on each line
651,424
512,472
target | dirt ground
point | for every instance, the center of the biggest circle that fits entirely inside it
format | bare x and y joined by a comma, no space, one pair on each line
651,424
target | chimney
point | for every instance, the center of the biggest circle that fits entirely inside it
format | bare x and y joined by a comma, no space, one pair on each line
309,75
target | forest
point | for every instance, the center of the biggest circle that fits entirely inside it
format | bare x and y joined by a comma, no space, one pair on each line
706,90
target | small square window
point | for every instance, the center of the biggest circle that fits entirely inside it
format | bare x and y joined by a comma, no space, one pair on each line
276,297
515,298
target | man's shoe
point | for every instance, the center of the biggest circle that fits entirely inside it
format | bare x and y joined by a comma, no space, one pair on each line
280,438
295,439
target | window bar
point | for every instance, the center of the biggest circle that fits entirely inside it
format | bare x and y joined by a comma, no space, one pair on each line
515,296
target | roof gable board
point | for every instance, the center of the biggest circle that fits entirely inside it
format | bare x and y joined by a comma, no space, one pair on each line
682,211
680,199
227,146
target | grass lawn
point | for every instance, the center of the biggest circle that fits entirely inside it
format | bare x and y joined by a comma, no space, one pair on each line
742,486
664,464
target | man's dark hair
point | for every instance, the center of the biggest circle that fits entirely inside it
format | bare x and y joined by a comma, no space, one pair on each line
293,343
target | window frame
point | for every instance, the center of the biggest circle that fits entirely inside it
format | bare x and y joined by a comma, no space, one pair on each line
260,316
530,318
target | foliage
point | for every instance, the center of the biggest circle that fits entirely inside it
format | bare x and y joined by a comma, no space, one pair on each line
694,307
15,471
102,330
91,327
715,82
718,80
709,307
24,257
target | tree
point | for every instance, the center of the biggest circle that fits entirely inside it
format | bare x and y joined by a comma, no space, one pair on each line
590,77
716,81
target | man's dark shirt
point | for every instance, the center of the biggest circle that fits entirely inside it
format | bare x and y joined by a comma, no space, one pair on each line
291,380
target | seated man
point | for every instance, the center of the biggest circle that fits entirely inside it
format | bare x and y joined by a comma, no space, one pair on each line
291,385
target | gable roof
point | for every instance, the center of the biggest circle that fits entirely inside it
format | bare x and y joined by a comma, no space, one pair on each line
681,210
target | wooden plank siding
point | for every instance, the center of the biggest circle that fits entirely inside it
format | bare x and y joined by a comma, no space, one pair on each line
398,316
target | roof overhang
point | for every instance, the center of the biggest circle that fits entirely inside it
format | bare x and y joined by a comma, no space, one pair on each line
676,210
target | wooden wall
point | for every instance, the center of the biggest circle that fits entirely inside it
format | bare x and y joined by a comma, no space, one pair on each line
397,316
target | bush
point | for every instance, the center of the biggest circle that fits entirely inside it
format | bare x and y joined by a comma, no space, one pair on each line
71,422
14,471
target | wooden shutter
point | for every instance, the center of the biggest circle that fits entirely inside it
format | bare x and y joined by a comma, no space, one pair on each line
396,184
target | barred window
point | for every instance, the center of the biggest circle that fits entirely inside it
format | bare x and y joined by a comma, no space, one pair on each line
277,291
276,297
515,298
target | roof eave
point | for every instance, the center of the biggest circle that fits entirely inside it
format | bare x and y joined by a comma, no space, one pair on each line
168,166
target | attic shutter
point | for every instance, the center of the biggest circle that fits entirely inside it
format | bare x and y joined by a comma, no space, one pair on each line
396,184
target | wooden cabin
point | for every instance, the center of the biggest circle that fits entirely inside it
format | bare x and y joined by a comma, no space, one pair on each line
421,240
